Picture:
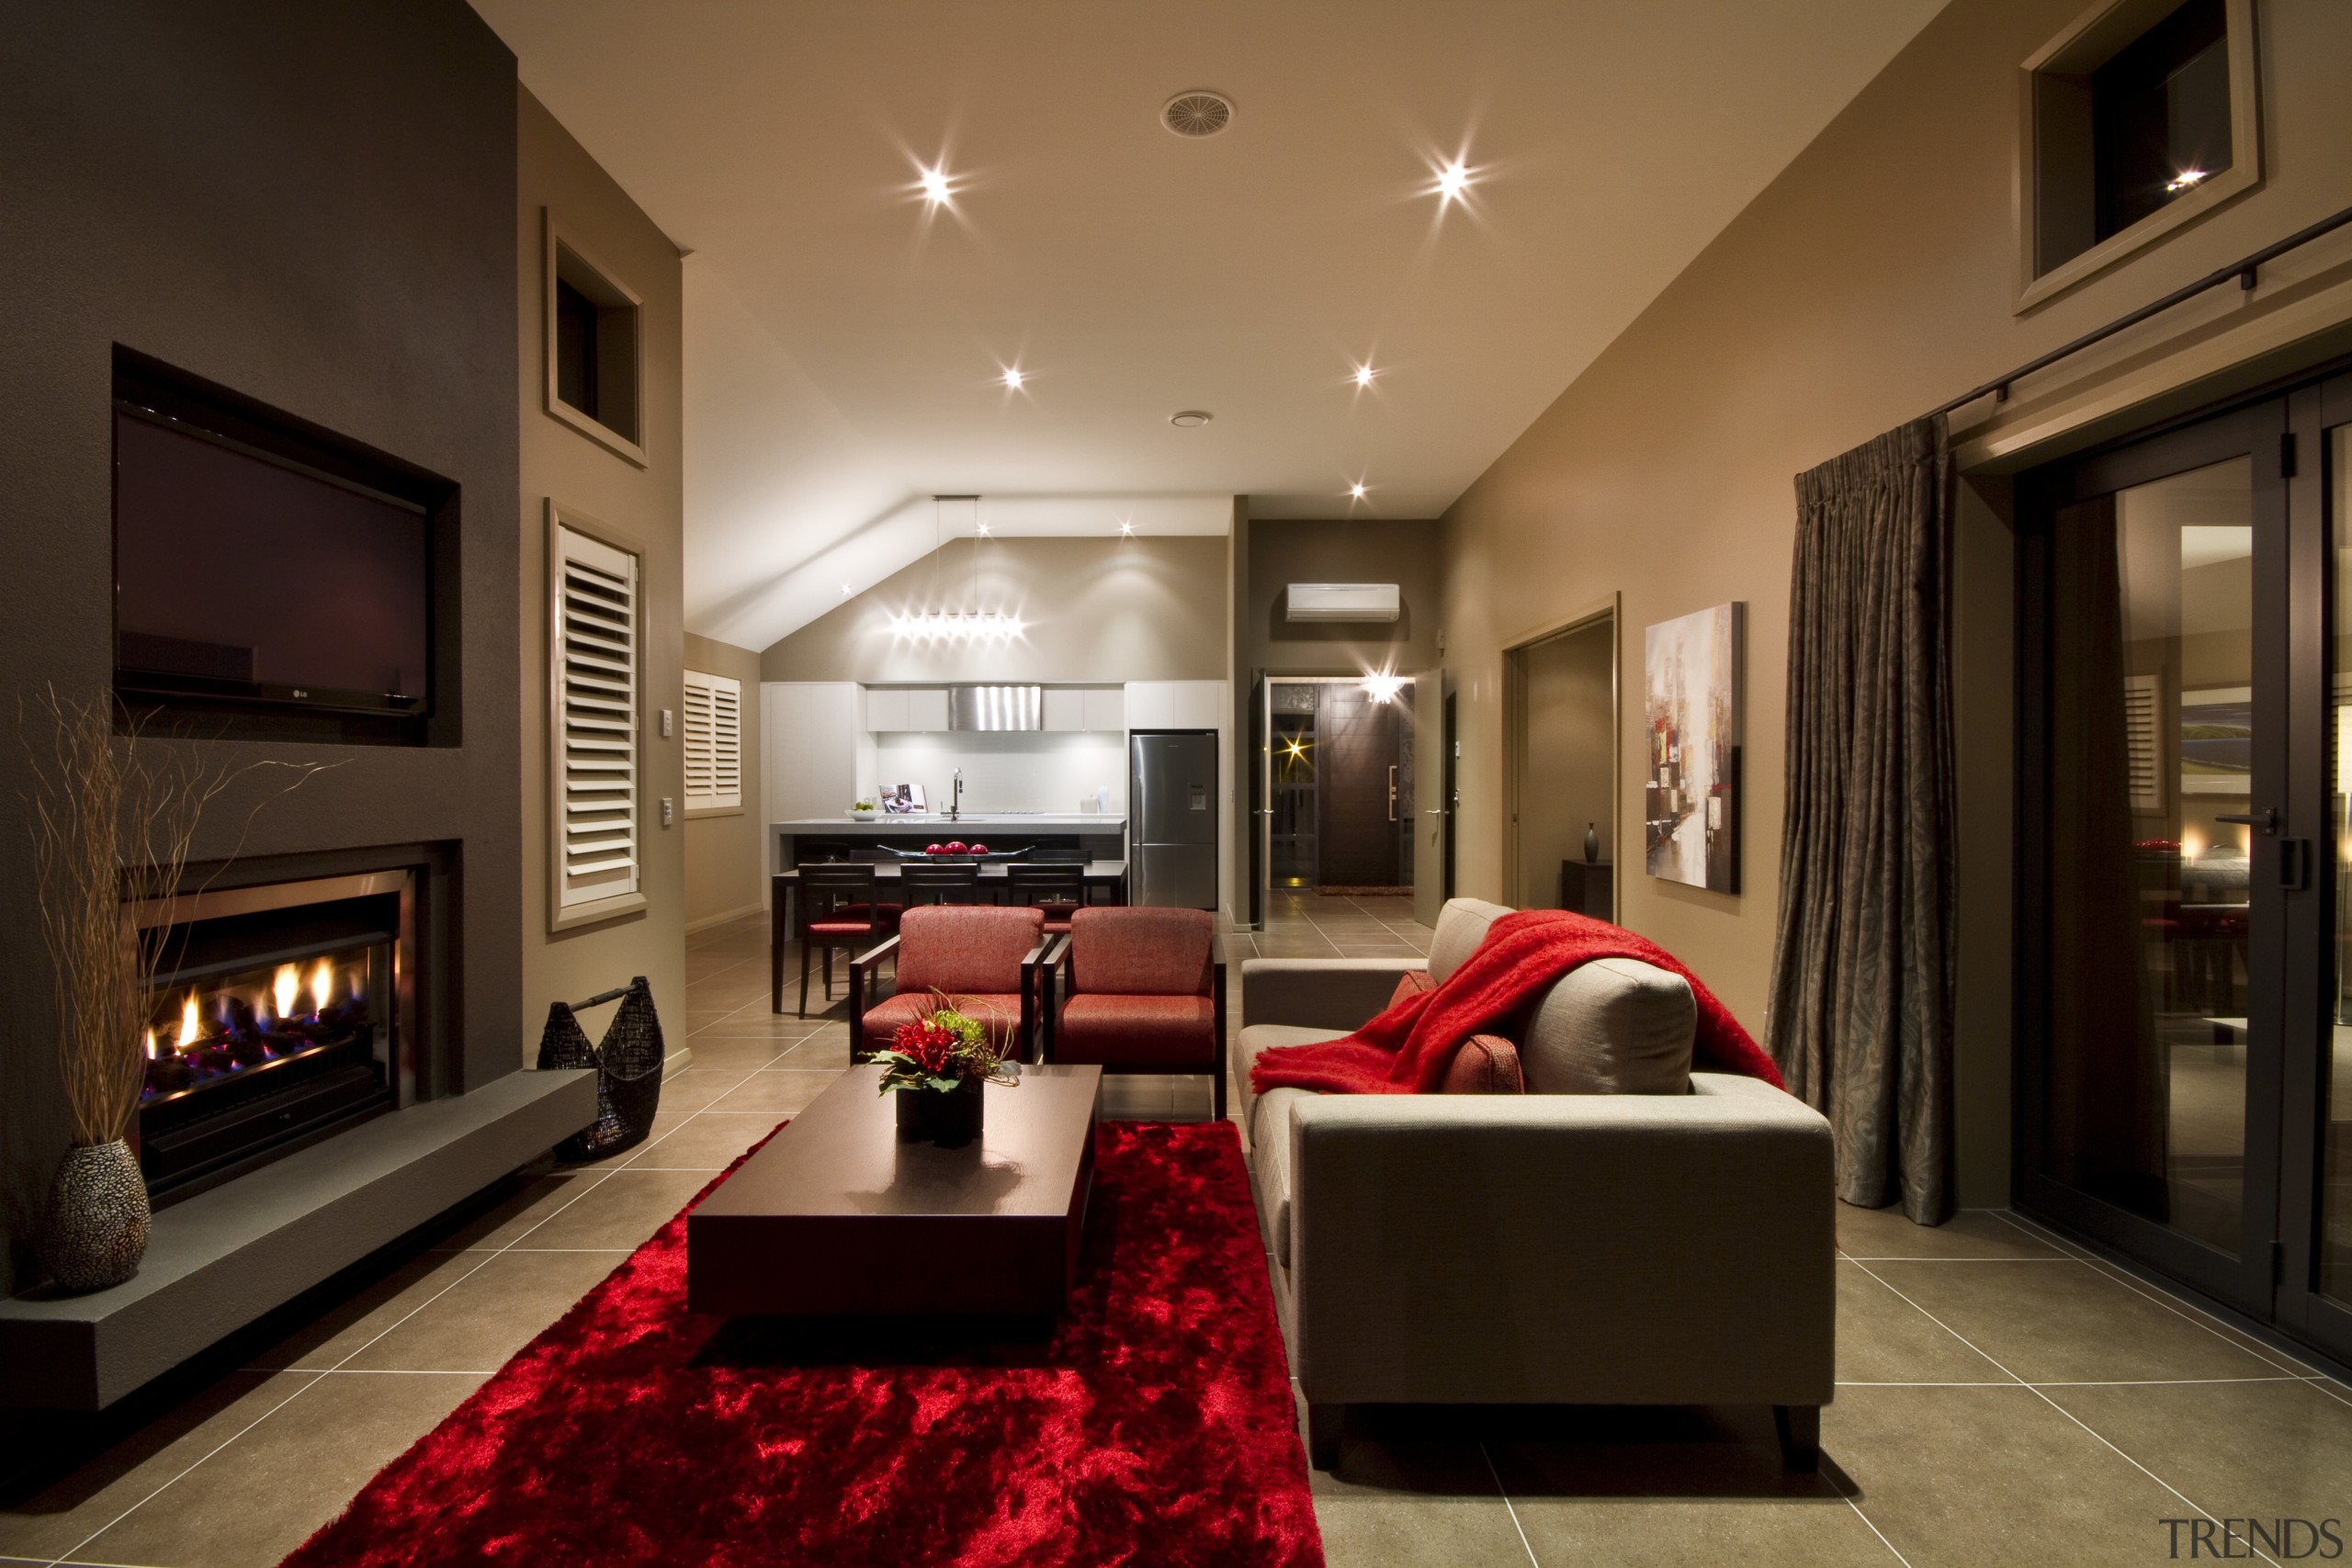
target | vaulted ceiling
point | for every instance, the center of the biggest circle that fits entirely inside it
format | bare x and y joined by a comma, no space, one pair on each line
847,337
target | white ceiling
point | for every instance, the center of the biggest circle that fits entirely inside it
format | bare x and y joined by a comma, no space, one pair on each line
845,342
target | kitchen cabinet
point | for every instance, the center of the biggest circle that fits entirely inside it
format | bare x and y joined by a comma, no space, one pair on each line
926,708
1105,707
885,709
894,710
1065,707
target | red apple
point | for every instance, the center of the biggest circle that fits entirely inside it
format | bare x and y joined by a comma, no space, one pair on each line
954,846
979,848
934,850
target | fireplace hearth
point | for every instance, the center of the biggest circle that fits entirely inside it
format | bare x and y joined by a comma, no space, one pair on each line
276,1019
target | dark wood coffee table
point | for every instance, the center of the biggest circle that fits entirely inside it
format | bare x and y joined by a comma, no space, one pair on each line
836,1216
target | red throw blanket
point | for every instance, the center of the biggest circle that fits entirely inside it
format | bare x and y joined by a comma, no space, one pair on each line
1407,1049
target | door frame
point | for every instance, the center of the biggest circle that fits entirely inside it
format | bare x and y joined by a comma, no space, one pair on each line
1514,694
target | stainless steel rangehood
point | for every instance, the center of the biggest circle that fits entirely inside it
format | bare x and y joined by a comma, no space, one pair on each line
996,707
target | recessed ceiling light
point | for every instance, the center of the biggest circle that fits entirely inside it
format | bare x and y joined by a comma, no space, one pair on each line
844,589
1198,112
984,527
1363,375
1356,491
934,184
1452,180
1014,379
1191,419
1125,526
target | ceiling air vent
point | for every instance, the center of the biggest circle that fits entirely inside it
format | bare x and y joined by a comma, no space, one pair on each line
1197,113
1342,601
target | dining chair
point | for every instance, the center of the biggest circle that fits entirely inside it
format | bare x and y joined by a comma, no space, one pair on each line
839,909
1055,888
1142,991
921,884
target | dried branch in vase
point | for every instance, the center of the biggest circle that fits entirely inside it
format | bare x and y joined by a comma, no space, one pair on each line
113,816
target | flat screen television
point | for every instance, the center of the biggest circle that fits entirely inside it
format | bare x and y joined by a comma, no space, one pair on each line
246,575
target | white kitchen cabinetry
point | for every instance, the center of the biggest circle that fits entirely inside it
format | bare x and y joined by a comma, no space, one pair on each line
926,708
885,709
814,751
894,710
1105,707
1065,707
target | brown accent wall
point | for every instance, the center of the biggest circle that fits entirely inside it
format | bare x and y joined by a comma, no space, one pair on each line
725,859
1148,608
314,206
1871,280
647,505
1282,552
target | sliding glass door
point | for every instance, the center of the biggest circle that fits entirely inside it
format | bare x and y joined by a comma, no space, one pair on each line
2183,702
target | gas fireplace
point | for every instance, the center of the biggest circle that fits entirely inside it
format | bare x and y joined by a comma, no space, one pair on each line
279,1015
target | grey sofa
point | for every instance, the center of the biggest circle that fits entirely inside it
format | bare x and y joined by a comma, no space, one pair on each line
1671,1247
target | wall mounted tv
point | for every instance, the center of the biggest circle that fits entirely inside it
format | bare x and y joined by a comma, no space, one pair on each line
259,568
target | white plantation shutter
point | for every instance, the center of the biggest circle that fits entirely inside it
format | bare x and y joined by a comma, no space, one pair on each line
595,670
714,742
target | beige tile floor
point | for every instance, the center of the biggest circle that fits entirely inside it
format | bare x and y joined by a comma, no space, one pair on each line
2003,1397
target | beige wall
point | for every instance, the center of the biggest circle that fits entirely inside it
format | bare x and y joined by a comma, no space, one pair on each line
1283,552
647,505
1872,280
725,856
1136,609
1567,778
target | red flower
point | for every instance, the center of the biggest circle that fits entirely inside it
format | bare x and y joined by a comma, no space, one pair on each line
927,1044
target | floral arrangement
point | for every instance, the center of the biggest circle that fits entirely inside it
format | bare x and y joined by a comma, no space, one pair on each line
942,1052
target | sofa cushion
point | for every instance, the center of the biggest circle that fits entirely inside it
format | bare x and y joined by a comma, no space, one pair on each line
1000,1015
1611,1026
1412,983
1142,950
965,949
1119,1029
1486,1063
1461,927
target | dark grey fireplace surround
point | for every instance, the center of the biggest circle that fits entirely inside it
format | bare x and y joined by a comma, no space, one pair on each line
313,206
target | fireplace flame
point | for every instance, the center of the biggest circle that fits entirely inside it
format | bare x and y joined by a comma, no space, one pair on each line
322,986
287,984
191,1026
152,1049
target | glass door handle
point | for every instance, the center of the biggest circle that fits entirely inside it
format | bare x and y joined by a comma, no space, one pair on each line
2266,819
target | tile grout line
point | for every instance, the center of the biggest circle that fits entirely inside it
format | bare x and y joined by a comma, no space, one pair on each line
599,1179
2179,1309
2053,1404
1504,1493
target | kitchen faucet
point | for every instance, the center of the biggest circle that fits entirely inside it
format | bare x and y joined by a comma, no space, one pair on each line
956,800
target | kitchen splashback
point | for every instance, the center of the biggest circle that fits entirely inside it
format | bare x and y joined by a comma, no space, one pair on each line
1018,770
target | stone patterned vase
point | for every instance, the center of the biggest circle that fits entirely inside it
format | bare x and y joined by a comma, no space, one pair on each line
95,1230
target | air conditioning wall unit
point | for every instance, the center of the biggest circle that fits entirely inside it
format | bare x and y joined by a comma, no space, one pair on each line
1343,602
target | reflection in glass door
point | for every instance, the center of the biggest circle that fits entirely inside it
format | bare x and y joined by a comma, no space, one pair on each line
2152,715
2333,1229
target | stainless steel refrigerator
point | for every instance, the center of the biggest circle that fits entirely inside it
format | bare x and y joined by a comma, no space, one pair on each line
1171,817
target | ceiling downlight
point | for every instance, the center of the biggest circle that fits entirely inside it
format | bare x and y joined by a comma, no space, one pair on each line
1191,419
1197,113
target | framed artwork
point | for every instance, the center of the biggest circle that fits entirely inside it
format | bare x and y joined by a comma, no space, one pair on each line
903,800
2217,741
1692,680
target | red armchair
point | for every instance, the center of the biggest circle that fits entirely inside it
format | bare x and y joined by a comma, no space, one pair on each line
1142,991
984,960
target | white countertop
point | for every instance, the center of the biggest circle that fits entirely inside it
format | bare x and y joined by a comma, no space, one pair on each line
1094,822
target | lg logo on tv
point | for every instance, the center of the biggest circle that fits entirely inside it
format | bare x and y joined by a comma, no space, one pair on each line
2286,1539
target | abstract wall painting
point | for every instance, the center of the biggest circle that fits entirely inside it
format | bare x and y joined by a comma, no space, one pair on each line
1693,677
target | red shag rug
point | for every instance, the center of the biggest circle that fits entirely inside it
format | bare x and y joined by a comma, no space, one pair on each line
1154,1427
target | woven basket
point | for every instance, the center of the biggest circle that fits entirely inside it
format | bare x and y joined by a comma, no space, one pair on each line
629,1071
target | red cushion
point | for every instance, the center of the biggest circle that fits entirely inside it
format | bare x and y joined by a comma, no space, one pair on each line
1001,1015
839,929
1412,983
1142,951
1114,1030
1486,1063
965,948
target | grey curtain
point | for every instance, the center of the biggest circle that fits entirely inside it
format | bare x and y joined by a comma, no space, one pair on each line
1860,1013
